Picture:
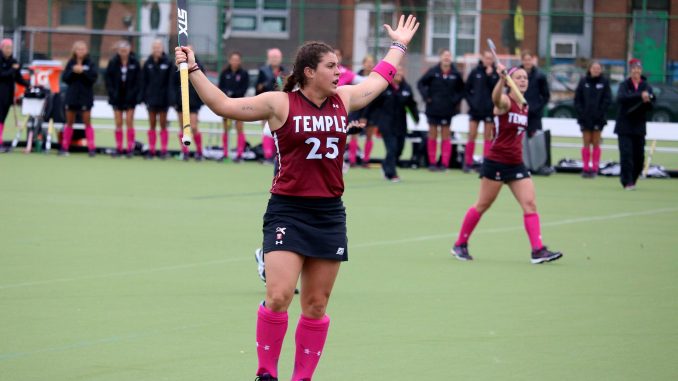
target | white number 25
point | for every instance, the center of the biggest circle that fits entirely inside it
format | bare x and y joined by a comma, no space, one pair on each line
330,144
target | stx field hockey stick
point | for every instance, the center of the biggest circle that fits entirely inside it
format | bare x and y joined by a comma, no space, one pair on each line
182,38
509,81
649,158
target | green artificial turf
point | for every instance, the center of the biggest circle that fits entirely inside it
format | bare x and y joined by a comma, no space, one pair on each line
118,269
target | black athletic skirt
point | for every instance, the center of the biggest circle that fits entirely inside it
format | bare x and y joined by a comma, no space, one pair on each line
307,226
497,171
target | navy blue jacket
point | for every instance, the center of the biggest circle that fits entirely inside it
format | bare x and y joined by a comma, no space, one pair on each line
80,85
441,92
632,117
157,79
267,81
9,76
538,93
127,92
389,109
591,100
479,88
234,84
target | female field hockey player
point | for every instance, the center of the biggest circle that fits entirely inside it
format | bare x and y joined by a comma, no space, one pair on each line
9,74
123,80
479,86
233,81
442,88
157,75
80,74
591,100
305,221
504,165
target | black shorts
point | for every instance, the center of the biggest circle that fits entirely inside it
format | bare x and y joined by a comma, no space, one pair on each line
591,127
123,107
481,118
78,107
439,120
157,108
191,109
312,227
503,172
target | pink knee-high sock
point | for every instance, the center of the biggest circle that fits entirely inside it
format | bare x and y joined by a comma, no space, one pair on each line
468,153
446,149
368,151
432,152
596,158
224,143
184,149
487,144
118,140
271,329
164,140
533,230
197,137
471,219
130,139
268,144
352,150
152,140
586,157
241,144
2,127
66,137
310,341
89,135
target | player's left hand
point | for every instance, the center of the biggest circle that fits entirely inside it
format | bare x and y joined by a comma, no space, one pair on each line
404,31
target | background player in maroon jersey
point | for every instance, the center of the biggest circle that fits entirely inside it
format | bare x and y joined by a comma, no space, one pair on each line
504,164
305,221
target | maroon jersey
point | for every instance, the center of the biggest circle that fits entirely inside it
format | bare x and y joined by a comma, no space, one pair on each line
311,147
507,146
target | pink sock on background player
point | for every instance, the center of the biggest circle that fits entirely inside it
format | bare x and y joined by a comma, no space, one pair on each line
164,140
310,341
184,149
2,127
487,144
152,140
432,152
89,135
586,157
446,152
368,151
533,230
198,142
596,158
224,143
471,219
468,153
118,139
271,329
66,137
130,139
352,151
241,144
268,144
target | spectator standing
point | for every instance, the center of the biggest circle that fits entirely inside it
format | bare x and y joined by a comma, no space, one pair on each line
363,117
157,77
271,78
9,74
233,81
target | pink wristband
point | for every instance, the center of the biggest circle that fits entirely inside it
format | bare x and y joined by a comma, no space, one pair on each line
385,70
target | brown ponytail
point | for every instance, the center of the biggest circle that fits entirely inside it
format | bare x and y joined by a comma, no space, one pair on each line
308,55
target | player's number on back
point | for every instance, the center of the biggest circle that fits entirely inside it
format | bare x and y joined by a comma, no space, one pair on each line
330,144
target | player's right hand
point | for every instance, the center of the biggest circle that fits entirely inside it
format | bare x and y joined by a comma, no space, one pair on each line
184,54
501,69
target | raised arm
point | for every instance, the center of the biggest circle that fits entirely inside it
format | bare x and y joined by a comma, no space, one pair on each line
269,106
360,95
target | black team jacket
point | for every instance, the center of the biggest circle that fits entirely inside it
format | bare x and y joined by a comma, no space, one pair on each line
591,100
80,91
128,92
389,109
441,92
234,83
479,86
632,117
8,77
538,93
157,79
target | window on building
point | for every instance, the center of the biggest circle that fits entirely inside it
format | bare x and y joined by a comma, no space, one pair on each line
453,25
660,5
568,17
259,18
73,12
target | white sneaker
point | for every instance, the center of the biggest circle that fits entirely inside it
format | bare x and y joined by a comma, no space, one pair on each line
259,257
